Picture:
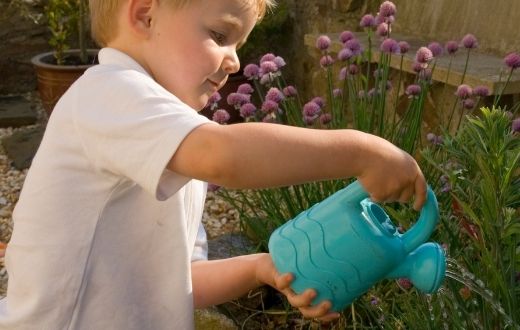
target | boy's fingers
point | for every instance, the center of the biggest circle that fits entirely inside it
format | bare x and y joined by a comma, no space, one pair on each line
320,311
420,193
301,300
283,281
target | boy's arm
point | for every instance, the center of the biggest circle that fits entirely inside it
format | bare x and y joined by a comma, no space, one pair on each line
260,155
219,281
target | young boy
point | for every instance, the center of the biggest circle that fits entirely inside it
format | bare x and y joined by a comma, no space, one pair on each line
107,231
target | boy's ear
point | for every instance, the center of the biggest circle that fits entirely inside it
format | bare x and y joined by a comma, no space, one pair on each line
140,16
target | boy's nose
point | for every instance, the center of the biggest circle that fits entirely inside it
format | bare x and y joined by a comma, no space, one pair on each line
231,62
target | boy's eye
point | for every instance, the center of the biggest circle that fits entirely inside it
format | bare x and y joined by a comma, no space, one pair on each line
218,37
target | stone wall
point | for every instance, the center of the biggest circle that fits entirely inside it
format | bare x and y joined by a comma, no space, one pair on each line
21,39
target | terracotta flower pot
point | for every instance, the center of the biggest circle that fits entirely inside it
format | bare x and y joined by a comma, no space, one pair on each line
54,80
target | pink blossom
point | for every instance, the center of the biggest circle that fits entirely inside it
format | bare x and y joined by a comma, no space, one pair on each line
267,57
323,42
423,56
452,47
345,54
342,74
354,46
469,41
325,118
353,69
245,89
413,90
269,106
268,67
481,91
221,116
390,46
279,61
436,48
247,110
290,91
387,8
404,47
468,104
251,71
512,60
319,101
237,99
311,109
367,21
274,94
383,30
326,61
516,125
346,36
464,91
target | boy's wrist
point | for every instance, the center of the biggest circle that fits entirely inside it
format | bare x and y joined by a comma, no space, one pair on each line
265,270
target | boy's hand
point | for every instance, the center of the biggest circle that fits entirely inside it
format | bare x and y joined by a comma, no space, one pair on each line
390,174
267,274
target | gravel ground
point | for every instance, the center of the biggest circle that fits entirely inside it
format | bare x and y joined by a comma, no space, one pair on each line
218,218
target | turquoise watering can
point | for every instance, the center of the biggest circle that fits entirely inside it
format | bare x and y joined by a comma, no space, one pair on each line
344,245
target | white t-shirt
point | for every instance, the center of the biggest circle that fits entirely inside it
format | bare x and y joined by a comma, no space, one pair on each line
103,232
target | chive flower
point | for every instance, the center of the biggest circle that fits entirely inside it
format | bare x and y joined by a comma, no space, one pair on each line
512,60
436,49
290,91
319,101
247,110
346,36
413,90
383,29
345,54
267,57
423,56
367,21
468,104
245,89
325,118
481,91
311,109
469,41
387,9
353,69
274,94
516,125
251,71
464,91
237,99
354,46
452,47
269,106
337,92
326,61
279,61
404,47
221,116
390,46
323,42
342,74
268,67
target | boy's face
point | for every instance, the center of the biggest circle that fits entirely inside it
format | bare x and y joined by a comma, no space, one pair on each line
192,50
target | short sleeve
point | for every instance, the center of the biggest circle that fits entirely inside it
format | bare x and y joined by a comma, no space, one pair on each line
134,130
200,251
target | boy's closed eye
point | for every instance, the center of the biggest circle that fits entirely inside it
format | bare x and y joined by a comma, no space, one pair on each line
219,38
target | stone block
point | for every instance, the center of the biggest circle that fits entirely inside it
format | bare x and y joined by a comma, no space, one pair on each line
16,111
21,146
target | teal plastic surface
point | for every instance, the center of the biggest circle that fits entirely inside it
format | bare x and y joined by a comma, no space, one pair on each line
345,244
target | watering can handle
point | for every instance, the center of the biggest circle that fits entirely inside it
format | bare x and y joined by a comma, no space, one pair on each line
422,229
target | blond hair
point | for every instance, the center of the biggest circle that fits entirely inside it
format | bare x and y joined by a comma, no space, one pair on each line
103,13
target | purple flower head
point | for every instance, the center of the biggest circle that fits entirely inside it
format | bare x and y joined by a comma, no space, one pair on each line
326,61
237,99
404,47
509,115
319,101
378,73
353,69
247,110
354,46
342,74
436,49
214,98
245,89
516,125
221,116
269,118
309,121
390,46
405,283
213,187
512,60
387,9
345,54
269,106
251,71
417,67
481,91
468,104
337,92
325,118
267,57
413,90
323,42
423,56
464,91
290,91
434,139
268,67
374,301
367,21
346,36
383,29
311,109
446,188
452,47
266,79
469,41
275,95
279,61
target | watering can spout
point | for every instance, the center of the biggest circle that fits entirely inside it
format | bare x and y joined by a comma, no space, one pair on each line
424,227
425,267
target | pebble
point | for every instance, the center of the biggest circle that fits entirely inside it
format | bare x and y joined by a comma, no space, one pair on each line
218,217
